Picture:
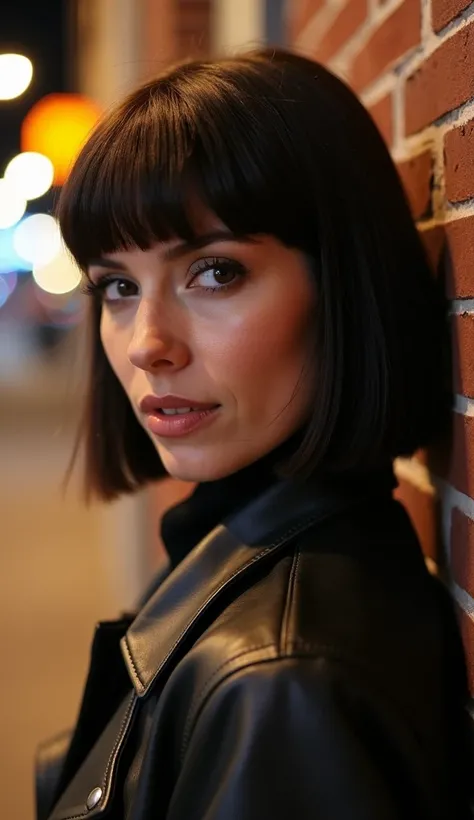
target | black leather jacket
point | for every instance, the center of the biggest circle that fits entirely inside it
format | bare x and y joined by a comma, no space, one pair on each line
299,663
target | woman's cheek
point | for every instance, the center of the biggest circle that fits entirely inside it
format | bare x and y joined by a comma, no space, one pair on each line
259,361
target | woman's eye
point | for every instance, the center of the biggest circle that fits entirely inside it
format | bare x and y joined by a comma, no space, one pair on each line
117,289
216,274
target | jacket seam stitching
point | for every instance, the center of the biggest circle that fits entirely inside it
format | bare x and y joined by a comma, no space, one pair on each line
118,740
132,662
110,762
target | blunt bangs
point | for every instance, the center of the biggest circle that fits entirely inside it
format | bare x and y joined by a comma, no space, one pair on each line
182,136
218,131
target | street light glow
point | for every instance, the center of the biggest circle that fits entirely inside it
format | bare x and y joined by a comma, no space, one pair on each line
16,72
57,126
37,239
61,275
30,173
12,205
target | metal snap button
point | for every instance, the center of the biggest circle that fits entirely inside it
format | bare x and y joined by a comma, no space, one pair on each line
94,798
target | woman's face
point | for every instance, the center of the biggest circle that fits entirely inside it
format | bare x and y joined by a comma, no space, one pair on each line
227,326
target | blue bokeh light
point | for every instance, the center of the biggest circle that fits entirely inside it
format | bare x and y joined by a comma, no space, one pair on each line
9,259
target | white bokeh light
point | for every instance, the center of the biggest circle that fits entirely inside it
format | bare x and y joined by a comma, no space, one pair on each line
61,275
30,173
12,205
16,72
37,239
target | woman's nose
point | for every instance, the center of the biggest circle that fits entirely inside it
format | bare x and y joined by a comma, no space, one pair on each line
154,344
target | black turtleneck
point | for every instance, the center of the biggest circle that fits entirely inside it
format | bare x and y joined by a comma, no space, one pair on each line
187,523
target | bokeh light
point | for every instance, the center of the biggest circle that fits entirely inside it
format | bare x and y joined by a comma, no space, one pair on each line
12,205
37,239
30,173
9,259
61,275
16,72
57,126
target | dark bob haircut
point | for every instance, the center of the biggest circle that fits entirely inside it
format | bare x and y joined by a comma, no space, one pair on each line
274,144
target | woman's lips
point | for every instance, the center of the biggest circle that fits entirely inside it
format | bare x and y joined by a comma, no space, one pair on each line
180,424
153,404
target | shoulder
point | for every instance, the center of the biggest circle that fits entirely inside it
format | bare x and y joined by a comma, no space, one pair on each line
355,593
262,687
338,586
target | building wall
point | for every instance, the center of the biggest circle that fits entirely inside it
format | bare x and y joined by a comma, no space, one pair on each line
237,25
412,63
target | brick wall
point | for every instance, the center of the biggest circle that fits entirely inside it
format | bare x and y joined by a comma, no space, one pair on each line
412,63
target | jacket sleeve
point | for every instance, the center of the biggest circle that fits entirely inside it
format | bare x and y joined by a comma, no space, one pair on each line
291,739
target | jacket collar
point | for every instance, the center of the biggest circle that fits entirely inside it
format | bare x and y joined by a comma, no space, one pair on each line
171,617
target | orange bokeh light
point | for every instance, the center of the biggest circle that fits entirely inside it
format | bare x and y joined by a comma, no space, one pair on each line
57,127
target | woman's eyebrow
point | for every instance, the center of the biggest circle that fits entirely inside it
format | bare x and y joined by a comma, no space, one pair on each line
103,262
203,240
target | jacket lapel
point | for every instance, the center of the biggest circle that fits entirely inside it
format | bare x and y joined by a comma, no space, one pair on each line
171,617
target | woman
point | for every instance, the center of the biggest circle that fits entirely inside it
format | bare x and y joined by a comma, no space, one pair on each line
264,324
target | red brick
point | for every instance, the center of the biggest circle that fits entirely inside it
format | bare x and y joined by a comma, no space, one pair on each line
349,19
399,33
466,626
461,461
416,175
300,13
463,354
434,240
444,82
424,511
459,269
450,249
462,550
459,162
382,114
443,11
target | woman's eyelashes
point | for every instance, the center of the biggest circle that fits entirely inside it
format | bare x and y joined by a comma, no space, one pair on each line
216,274
211,275
110,288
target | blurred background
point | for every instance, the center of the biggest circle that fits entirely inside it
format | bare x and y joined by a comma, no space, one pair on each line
64,566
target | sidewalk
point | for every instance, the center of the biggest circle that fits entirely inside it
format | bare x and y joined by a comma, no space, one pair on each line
53,588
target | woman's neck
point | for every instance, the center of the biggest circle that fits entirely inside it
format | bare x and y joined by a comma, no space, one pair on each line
184,525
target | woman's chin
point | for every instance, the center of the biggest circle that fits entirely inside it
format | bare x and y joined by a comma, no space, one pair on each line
196,467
